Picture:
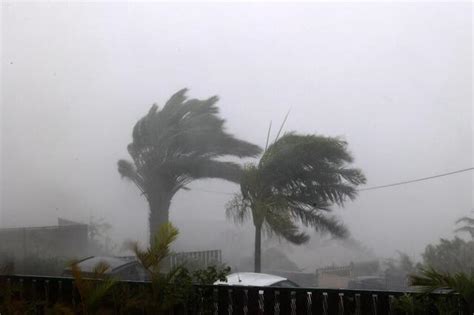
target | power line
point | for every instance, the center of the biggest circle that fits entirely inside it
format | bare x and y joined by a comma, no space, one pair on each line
417,180
368,188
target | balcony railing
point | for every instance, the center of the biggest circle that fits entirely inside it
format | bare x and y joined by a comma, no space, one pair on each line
238,299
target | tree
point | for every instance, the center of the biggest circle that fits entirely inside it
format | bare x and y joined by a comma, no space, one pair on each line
398,271
451,256
297,180
430,280
182,142
174,287
92,292
468,227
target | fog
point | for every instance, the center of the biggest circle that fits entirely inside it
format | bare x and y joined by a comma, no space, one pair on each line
393,79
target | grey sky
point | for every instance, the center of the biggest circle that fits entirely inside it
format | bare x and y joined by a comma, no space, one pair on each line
394,79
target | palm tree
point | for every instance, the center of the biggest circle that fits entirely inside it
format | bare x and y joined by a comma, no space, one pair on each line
430,280
468,227
182,142
297,180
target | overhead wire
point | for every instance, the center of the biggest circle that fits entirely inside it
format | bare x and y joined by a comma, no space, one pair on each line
416,180
373,187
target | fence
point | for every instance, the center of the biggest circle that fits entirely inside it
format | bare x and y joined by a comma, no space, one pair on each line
240,300
205,258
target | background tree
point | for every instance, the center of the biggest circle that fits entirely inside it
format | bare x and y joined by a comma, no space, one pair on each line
450,256
178,144
397,271
467,227
297,180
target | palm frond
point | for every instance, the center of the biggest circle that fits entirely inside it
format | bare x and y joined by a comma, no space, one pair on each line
100,269
466,220
238,209
468,229
296,181
101,290
159,249
281,224
311,162
430,280
321,222
127,170
196,168
183,141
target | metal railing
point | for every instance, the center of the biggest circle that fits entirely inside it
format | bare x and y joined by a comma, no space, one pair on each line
238,299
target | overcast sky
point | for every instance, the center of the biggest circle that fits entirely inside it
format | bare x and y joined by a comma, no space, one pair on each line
393,79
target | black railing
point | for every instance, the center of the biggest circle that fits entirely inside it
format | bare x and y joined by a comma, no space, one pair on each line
238,299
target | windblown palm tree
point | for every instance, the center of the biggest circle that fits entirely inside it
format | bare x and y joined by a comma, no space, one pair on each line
182,142
430,280
297,180
468,227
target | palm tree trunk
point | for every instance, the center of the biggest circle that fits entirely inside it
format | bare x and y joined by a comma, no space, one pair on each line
258,248
159,213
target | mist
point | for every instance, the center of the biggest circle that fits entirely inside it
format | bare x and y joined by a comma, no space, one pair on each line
393,79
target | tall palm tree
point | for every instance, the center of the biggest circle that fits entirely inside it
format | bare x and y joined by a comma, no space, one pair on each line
182,142
297,180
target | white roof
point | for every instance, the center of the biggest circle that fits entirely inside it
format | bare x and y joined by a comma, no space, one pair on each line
251,279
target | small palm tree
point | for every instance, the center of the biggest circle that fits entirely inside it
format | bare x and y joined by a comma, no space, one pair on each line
182,142
430,280
163,293
153,257
297,180
93,291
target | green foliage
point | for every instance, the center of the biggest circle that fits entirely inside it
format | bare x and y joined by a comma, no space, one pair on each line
175,287
450,256
153,257
33,264
164,291
100,294
430,280
8,303
297,180
410,304
94,292
182,142
422,304
210,275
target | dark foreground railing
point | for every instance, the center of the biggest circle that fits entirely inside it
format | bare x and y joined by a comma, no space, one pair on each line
241,300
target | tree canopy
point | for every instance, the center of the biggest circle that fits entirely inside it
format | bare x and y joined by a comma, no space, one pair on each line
296,181
184,141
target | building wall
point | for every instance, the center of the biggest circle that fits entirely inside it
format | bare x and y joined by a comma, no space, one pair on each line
52,241
203,258
327,280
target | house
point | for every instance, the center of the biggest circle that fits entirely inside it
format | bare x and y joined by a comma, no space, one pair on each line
339,277
67,239
122,268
